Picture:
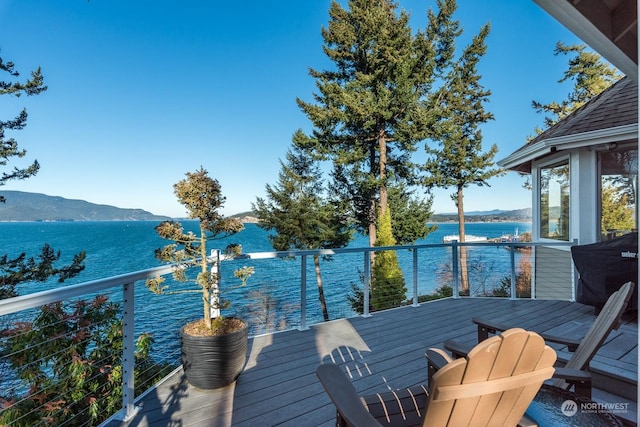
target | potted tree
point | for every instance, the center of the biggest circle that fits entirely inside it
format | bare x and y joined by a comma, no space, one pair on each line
214,347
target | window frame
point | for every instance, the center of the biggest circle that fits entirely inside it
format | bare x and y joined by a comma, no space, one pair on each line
564,160
599,176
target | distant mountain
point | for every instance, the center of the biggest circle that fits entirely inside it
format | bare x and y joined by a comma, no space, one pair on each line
22,206
246,217
496,215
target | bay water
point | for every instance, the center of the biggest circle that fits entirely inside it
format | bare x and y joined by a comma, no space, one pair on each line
272,295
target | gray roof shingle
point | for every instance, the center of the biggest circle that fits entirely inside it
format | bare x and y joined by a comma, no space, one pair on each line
616,106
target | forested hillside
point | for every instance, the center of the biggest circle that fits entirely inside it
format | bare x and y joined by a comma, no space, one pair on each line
22,206
519,215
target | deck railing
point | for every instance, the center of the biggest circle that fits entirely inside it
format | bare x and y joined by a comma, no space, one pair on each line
495,269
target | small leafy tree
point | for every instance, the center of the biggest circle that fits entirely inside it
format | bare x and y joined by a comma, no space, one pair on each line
444,291
69,359
202,196
387,285
267,313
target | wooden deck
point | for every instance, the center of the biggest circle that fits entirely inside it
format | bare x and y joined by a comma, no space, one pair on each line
384,351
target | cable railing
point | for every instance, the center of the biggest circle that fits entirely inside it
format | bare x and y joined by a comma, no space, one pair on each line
78,354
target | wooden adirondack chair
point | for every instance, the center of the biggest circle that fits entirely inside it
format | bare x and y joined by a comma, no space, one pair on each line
493,385
576,371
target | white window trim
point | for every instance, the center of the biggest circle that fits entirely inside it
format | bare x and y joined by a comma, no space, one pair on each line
560,159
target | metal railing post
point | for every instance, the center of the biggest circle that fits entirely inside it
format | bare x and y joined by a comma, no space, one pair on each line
214,295
367,283
512,256
128,352
533,271
415,277
573,274
303,293
455,269
125,283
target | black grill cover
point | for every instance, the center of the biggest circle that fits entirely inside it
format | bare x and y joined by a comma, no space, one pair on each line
604,267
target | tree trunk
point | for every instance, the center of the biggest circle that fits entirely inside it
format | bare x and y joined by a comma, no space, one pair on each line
371,215
323,302
372,222
382,171
376,211
464,275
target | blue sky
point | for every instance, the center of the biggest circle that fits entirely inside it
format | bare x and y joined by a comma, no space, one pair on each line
142,91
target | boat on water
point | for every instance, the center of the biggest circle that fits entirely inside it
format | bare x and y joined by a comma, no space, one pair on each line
468,238
506,238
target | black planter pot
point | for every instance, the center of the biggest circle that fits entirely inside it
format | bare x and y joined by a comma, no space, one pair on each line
214,362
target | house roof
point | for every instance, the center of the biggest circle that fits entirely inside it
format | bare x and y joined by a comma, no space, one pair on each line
610,27
609,117
615,106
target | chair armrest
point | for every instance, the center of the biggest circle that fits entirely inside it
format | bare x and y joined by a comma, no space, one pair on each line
572,344
344,396
436,359
527,422
457,349
580,380
486,327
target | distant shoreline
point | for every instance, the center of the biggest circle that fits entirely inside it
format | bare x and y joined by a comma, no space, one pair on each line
466,220
243,220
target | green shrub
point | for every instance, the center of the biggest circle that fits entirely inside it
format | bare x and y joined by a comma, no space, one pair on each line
69,361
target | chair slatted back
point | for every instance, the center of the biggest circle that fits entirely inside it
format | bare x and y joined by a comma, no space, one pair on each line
494,384
608,319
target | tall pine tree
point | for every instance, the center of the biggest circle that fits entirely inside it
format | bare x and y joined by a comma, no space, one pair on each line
9,146
302,213
14,271
458,161
371,109
590,75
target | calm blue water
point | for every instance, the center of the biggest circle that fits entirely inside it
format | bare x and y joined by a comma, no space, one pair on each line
119,247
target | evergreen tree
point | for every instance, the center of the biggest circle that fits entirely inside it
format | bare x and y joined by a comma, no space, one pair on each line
303,216
459,161
19,270
409,215
372,108
9,146
388,288
590,74
14,271
617,211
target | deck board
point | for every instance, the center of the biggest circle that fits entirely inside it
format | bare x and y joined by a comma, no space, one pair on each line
384,351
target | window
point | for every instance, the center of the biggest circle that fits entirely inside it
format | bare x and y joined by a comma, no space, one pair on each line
554,202
618,189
